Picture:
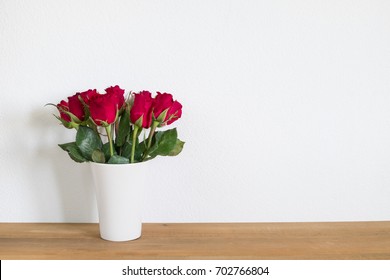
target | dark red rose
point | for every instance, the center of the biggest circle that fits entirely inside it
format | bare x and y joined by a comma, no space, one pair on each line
103,109
62,108
165,109
88,95
141,112
76,107
116,94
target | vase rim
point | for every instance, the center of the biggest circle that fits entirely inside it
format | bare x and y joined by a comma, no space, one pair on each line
117,164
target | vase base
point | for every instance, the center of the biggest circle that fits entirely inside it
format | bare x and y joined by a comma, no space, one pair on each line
120,239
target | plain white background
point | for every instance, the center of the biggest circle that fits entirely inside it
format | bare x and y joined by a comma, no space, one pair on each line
286,106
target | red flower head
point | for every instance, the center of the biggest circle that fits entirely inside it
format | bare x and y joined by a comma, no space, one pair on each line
141,112
76,107
62,108
165,109
86,96
103,108
116,94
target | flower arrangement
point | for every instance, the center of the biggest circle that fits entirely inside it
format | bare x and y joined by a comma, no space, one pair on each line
109,126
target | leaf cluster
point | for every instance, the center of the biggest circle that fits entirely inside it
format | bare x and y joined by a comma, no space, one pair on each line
90,147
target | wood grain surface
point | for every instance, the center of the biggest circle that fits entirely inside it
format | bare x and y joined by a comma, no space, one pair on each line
301,241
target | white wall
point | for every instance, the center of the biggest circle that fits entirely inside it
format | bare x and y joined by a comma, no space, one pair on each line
286,105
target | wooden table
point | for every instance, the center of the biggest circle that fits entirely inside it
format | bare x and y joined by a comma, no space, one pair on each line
346,240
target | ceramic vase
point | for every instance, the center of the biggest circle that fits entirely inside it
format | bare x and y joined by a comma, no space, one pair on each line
119,193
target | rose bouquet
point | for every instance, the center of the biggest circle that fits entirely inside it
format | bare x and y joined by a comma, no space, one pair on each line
109,126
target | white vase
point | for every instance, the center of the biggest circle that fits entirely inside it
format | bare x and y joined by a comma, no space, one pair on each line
119,194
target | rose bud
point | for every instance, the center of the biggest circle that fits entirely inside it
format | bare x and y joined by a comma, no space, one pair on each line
116,94
76,107
141,111
103,109
62,108
165,109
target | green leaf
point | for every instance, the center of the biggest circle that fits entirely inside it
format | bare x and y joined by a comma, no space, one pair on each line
73,151
126,151
177,149
124,129
87,140
106,151
98,156
164,143
115,159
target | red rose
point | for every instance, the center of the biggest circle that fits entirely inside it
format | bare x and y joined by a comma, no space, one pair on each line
165,109
116,94
103,108
141,112
76,107
62,108
88,95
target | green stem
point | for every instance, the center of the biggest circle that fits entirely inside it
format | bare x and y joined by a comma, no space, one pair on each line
150,137
109,135
116,126
151,133
135,132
